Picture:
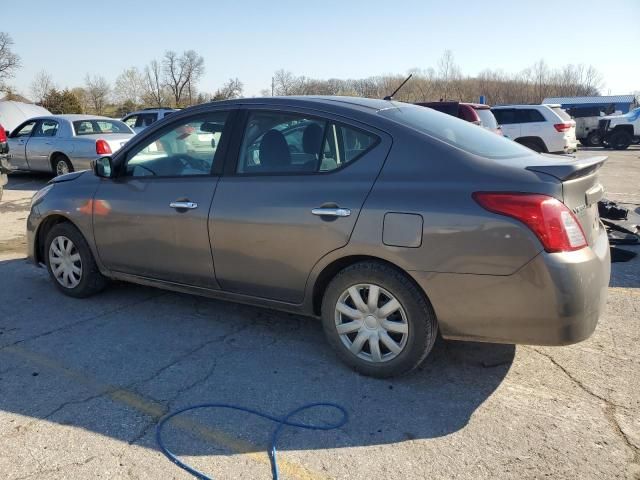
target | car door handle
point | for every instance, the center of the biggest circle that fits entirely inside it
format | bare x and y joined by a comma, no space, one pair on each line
183,205
331,212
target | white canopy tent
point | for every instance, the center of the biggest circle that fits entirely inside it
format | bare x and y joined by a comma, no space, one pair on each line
14,113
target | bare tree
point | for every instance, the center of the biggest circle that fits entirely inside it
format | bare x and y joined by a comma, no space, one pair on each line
98,89
129,86
42,84
181,74
9,61
448,73
81,94
231,89
285,83
154,89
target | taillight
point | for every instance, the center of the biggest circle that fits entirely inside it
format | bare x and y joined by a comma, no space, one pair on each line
3,135
554,224
102,147
563,127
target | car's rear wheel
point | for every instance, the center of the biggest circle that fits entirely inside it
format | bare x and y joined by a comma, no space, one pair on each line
533,144
377,320
61,165
70,262
594,140
620,140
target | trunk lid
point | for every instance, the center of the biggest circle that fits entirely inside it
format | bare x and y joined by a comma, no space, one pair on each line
115,140
581,188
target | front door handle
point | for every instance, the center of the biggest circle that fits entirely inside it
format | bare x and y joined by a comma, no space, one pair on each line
331,212
183,205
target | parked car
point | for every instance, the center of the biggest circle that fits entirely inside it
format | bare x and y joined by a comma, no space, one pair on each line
620,131
587,119
65,143
142,119
4,159
387,220
476,113
542,128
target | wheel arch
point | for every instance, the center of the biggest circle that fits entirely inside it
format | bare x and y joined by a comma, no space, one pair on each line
329,271
533,139
55,154
43,228
627,128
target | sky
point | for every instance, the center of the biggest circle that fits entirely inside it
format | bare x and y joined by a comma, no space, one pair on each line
322,39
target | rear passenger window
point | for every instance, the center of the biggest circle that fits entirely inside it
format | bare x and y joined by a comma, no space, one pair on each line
276,143
505,117
529,116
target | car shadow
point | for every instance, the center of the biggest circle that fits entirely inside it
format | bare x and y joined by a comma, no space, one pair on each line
114,363
21,181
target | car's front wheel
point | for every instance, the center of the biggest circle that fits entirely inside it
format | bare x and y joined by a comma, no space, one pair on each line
61,165
70,262
620,140
378,320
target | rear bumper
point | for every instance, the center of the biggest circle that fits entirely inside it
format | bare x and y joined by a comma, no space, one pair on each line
556,299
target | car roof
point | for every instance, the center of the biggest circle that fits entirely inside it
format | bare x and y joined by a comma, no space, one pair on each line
524,106
368,104
72,117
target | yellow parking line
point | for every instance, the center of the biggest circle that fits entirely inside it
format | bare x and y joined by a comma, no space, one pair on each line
156,411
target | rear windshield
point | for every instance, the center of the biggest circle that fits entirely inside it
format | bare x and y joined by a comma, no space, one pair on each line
456,132
100,126
561,113
487,118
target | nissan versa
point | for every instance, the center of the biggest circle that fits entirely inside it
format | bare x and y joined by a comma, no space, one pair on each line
387,220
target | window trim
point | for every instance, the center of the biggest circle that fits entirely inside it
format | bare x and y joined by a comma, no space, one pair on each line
215,171
231,166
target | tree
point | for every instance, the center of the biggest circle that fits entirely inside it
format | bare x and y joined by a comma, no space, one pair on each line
182,74
285,83
231,89
83,99
448,74
9,61
129,87
154,89
98,90
62,102
42,84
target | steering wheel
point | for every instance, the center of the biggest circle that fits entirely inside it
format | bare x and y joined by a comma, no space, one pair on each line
195,163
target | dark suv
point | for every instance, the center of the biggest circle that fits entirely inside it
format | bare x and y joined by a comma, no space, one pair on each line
4,159
471,112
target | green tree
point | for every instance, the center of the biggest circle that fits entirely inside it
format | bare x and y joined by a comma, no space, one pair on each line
64,101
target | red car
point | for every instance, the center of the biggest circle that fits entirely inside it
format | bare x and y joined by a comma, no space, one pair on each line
471,112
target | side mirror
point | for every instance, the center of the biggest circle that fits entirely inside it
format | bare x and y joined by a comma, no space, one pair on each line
102,167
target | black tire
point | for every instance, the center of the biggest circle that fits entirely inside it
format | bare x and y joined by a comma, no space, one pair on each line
91,280
59,162
422,326
593,140
535,145
583,142
620,140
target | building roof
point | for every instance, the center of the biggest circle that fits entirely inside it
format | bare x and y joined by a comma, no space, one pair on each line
591,100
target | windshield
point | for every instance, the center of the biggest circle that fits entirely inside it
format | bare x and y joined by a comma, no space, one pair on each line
456,132
487,118
100,126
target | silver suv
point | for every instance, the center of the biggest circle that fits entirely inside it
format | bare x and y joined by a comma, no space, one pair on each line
142,119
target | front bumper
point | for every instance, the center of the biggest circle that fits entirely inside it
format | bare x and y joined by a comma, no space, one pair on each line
555,299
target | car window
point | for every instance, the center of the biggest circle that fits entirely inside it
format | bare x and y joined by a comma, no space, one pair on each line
528,115
463,135
25,130
505,116
276,142
146,119
46,128
187,148
130,121
561,113
100,126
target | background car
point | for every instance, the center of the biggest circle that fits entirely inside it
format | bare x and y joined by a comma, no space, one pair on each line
476,113
395,221
142,119
65,143
4,159
542,128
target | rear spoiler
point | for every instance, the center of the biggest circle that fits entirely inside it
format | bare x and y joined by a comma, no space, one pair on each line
573,169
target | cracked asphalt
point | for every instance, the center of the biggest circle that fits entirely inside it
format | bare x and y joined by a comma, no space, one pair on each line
84,382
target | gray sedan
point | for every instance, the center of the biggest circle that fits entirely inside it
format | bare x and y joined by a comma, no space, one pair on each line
388,221
65,143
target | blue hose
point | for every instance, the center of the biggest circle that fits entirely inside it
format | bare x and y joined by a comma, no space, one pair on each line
281,422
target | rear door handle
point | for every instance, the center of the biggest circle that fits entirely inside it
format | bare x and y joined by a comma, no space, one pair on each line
183,205
331,212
